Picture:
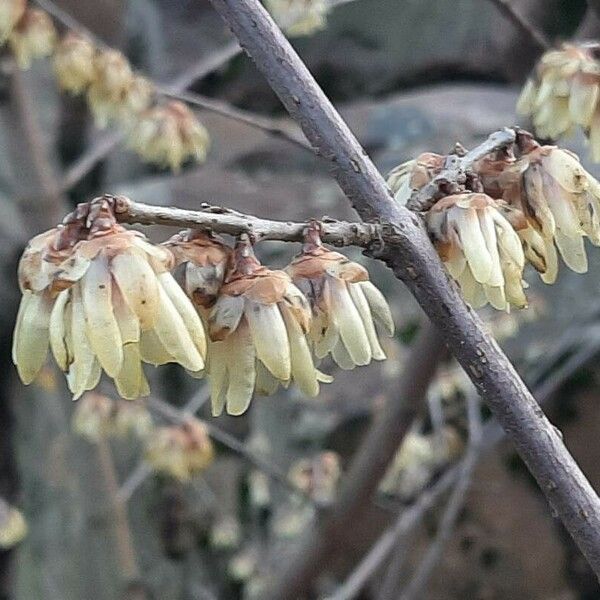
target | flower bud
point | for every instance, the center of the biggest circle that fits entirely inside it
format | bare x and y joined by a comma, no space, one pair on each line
299,17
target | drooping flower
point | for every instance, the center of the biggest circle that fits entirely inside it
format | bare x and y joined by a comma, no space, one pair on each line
112,78
74,63
33,37
258,325
206,258
564,92
344,304
299,17
479,248
93,417
168,135
181,451
11,12
413,175
103,298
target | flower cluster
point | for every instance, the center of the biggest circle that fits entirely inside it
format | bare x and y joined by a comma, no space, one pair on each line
180,451
166,133
529,207
104,299
564,92
299,17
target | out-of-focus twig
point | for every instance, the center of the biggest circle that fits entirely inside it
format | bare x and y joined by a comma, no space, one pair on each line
507,8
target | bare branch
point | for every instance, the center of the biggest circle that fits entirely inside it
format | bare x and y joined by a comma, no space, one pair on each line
456,168
529,29
414,261
224,220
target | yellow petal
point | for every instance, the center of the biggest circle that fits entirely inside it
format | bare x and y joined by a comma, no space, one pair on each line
362,306
572,250
304,373
241,371
31,337
186,310
379,306
551,273
225,316
137,282
266,384
474,245
152,350
488,229
583,101
129,379
352,330
217,376
342,358
58,330
102,329
269,337
174,336
83,355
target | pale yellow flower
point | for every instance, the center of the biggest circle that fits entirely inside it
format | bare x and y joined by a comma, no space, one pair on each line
74,63
104,299
344,304
413,175
33,37
480,249
258,326
13,527
168,135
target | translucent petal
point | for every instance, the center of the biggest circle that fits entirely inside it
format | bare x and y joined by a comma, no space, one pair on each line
58,330
241,370
362,306
379,306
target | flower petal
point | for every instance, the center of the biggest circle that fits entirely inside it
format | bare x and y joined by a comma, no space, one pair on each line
379,306
225,316
138,284
31,337
304,373
362,306
186,310
58,330
102,329
241,370
217,376
83,355
270,337
152,350
129,380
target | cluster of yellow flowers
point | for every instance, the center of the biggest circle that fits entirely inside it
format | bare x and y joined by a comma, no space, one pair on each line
104,299
299,17
526,207
166,133
564,92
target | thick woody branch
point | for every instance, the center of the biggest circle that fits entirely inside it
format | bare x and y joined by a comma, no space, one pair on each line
456,169
413,260
224,220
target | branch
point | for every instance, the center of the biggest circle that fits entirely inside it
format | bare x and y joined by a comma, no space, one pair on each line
264,124
595,6
413,260
456,169
224,220
536,35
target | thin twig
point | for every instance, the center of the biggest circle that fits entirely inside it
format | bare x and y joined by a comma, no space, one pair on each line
221,436
414,260
260,122
529,29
